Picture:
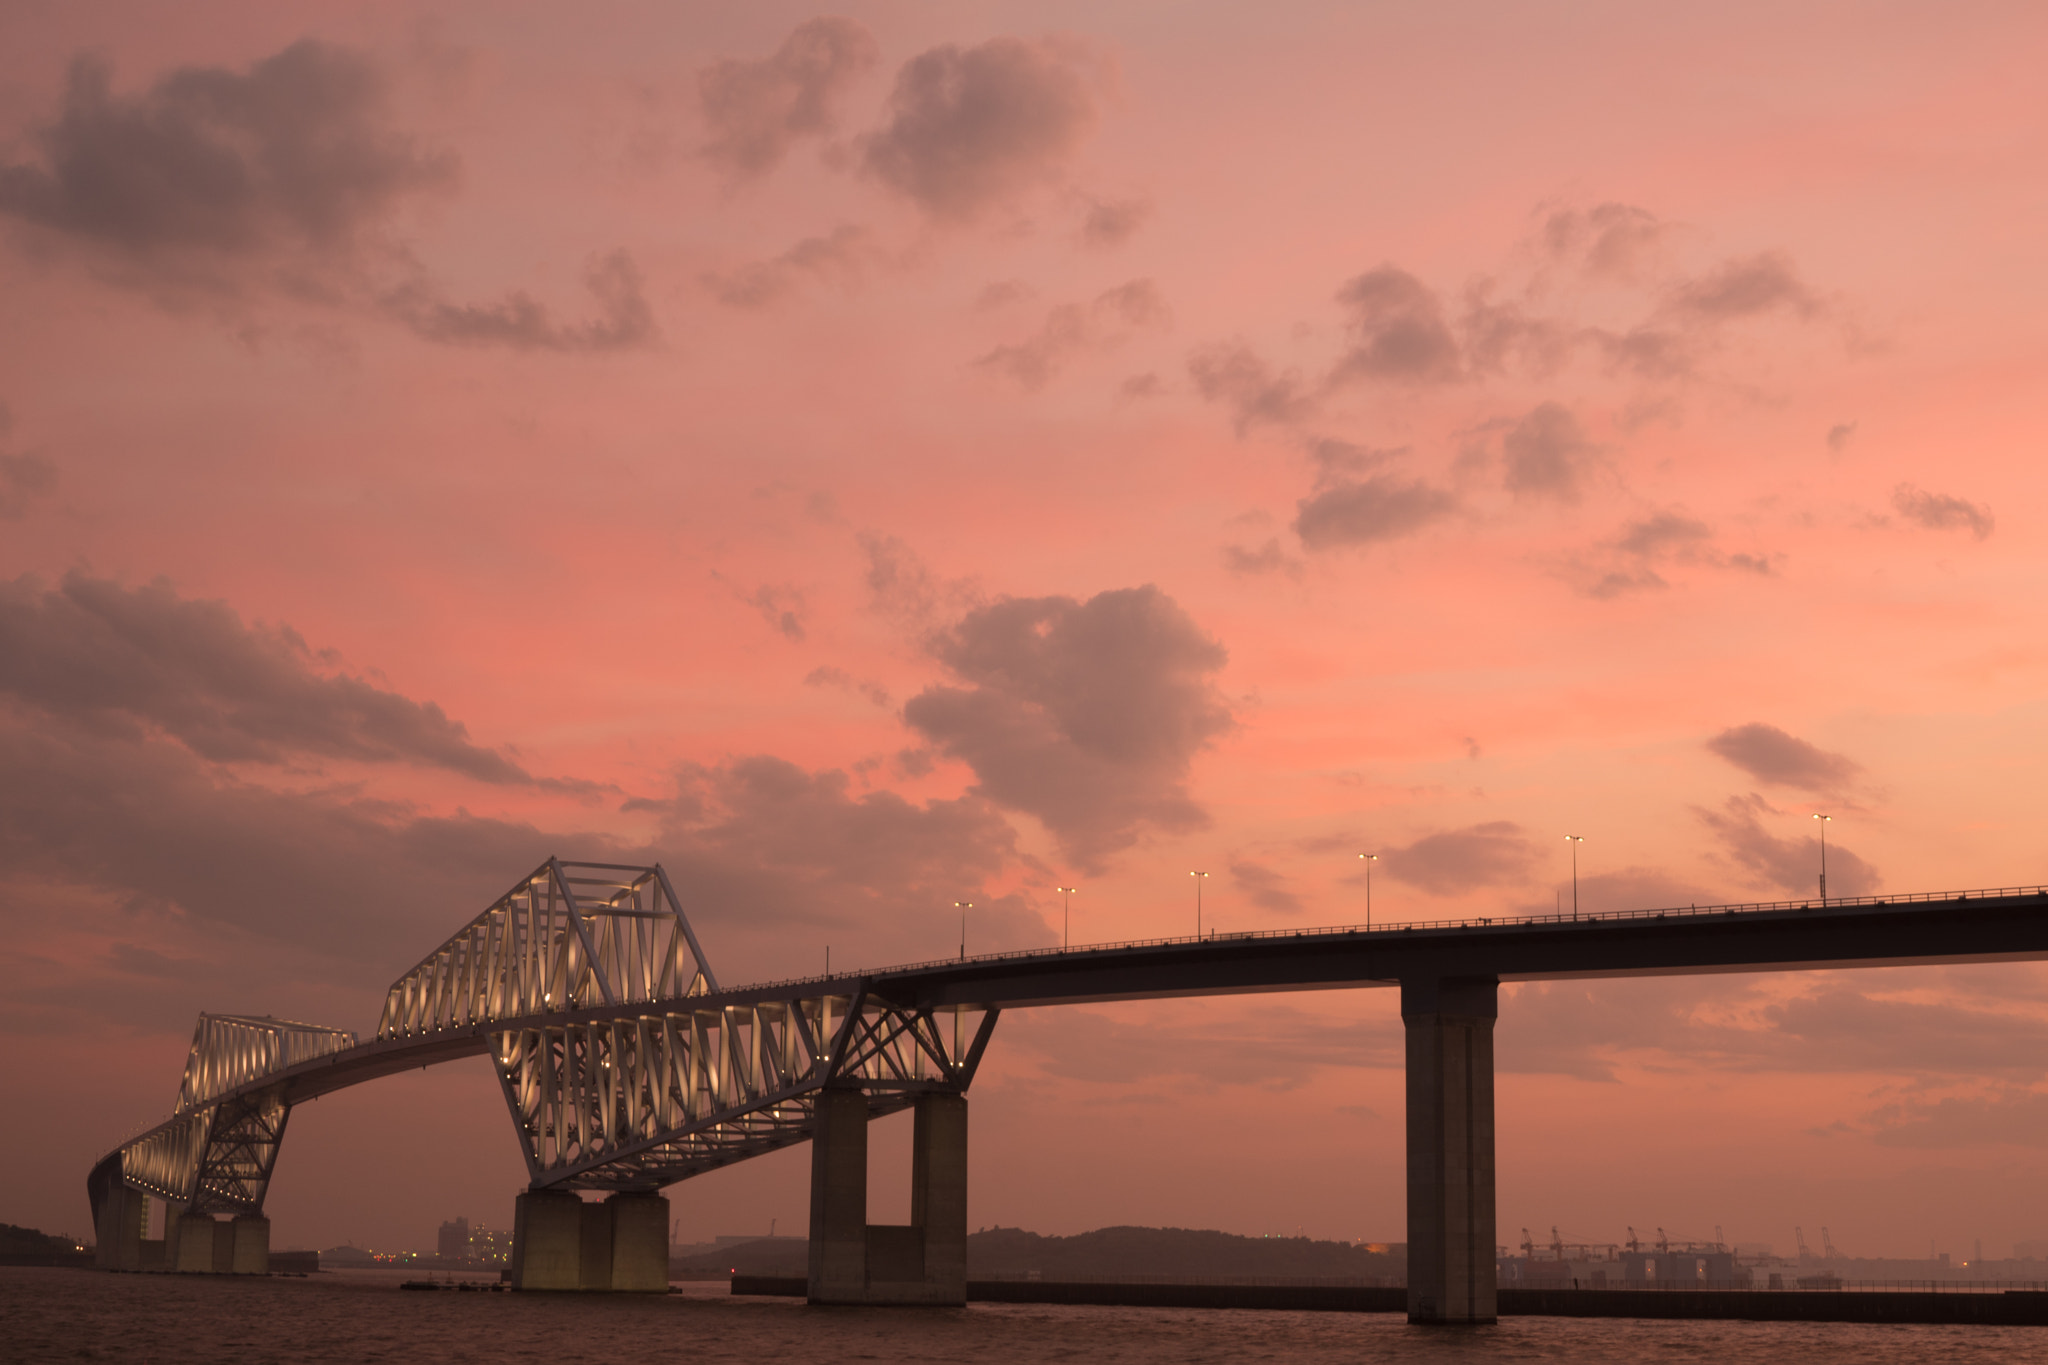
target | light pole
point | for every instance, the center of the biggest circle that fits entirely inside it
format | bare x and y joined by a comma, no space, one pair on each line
964,907
1825,821
1369,859
1066,911
1199,877
1575,840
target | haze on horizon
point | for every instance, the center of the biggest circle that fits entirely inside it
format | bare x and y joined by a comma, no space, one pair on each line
872,459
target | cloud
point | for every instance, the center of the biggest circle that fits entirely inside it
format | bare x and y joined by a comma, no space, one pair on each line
625,321
209,164
1768,754
1838,437
825,675
842,257
1609,241
23,479
127,661
1382,507
1496,853
1547,454
1235,375
1398,331
2010,1116
1086,715
1743,288
1111,222
1071,328
1268,558
900,585
1263,887
1940,512
1790,865
1662,539
971,128
757,110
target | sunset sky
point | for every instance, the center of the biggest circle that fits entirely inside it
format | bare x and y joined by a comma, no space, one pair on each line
874,459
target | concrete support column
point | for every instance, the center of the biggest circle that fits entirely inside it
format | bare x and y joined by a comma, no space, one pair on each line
594,1247
938,1194
117,1233
195,1235
853,1261
250,1243
167,1258
839,1199
223,1247
1451,1277
639,1251
547,1240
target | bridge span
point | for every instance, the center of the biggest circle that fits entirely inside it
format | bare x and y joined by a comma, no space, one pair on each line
626,1067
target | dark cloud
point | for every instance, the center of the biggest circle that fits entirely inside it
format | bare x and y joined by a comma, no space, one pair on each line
23,479
1146,385
826,675
625,321
112,659
1663,539
1086,715
1072,328
1768,754
1608,241
1838,436
1236,376
1940,512
1547,454
1496,853
1263,887
842,257
1493,334
1335,460
970,128
1789,865
1111,222
1382,507
756,110
1398,330
2010,1116
899,584
1268,558
293,154
1743,288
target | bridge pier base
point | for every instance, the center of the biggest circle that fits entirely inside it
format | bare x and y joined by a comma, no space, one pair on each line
249,1245
195,1252
855,1262
1449,1023
118,1230
561,1242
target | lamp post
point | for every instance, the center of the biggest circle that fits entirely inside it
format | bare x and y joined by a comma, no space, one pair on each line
1825,821
1575,840
1199,877
964,907
1369,859
1066,911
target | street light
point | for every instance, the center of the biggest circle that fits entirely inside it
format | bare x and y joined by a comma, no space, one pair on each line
1066,912
1575,840
1825,821
1199,877
964,907
1370,859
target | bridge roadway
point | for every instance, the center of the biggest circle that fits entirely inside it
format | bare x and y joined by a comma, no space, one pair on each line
1448,974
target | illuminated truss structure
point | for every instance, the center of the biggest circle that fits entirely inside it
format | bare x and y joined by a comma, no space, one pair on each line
624,1065
215,1153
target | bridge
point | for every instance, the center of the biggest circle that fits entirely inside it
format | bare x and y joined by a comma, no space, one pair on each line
627,1067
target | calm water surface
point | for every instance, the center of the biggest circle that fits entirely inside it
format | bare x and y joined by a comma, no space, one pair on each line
51,1315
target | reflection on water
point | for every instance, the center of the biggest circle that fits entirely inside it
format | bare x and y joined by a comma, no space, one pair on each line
350,1316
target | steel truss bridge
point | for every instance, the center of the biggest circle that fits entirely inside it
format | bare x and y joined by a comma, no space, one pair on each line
627,1067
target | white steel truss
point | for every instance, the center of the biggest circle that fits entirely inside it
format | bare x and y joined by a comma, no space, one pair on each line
642,1101
215,1155
569,936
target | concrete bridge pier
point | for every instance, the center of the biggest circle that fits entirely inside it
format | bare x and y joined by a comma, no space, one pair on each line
856,1262
118,1229
561,1242
1449,1022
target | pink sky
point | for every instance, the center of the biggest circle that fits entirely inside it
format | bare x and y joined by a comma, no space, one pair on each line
924,453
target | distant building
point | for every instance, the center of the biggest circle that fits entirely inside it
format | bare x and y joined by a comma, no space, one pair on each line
454,1241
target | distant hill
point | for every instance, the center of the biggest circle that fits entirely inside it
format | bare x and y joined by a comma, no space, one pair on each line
26,1246
1107,1253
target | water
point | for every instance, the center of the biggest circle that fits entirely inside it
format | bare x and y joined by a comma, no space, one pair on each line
348,1317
